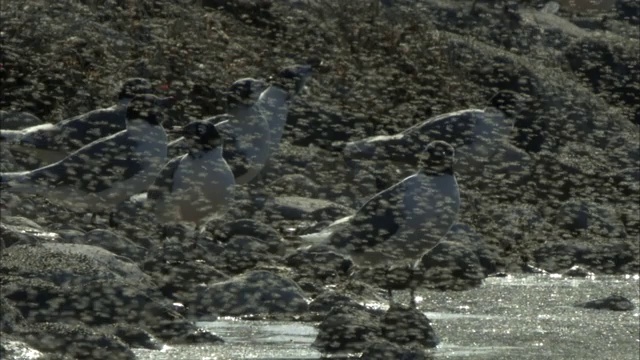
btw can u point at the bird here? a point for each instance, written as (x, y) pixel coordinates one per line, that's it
(475, 134)
(276, 99)
(193, 187)
(244, 130)
(109, 170)
(49, 143)
(404, 221)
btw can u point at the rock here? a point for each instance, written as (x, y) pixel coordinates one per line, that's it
(13, 120)
(14, 349)
(451, 266)
(63, 263)
(103, 301)
(578, 272)
(319, 263)
(557, 256)
(406, 326)
(257, 292)
(263, 232)
(119, 245)
(579, 216)
(294, 185)
(243, 252)
(21, 222)
(22, 234)
(609, 68)
(384, 350)
(71, 236)
(487, 254)
(76, 341)
(347, 329)
(613, 258)
(329, 299)
(628, 10)
(513, 226)
(613, 302)
(300, 208)
(178, 280)
(10, 317)
(133, 336)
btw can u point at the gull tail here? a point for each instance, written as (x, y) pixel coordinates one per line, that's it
(11, 136)
(16, 180)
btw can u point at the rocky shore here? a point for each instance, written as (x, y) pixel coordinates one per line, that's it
(567, 75)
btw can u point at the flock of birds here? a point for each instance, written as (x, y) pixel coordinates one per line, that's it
(107, 156)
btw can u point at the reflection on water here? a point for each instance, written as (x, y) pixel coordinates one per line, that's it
(523, 317)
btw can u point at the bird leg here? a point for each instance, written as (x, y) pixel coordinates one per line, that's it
(94, 217)
(196, 237)
(112, 220)
(412, 293)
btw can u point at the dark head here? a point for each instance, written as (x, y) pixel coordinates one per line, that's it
(201, 136)
(134, 86)
(293, 78)
(245, 92)
(149, 108)
(437, 158)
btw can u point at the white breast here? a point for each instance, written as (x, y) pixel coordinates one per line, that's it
(202, 188)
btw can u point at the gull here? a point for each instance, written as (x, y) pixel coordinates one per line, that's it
(49, 143)
(103, 173)
(404, 221)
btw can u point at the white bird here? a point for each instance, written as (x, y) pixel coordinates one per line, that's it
(107, 171)
(276, 99)
(49, 143)
(406, 220)
(193, 187)
(475, 134)
(244, 130)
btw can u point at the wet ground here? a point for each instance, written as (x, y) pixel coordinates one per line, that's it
(518, 317)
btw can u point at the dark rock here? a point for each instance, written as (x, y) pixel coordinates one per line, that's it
(609, 258)
(63, 263)
(294, 185)
(76, 341)
(263, 232)
(347, 329)
(406, 326)
(71, 236)
(300, 208)
(384, 350)
(10, 317)
(326, 301)
(99, 302)
(12, 348)
(451, 266)
(24, 234)
(178, 280)
(133, 336)
(487, 254)
(579, 272)
(115, 243)
(319, 263)
(243, 252)
(558, 256)
(11, 120)
(257, 292)
(628, 10)
(609, 69)
(578, 216)
(613, 302)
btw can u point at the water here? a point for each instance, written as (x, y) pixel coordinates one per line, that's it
(521, 317)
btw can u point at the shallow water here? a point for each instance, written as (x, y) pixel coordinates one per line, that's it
(521, 317)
